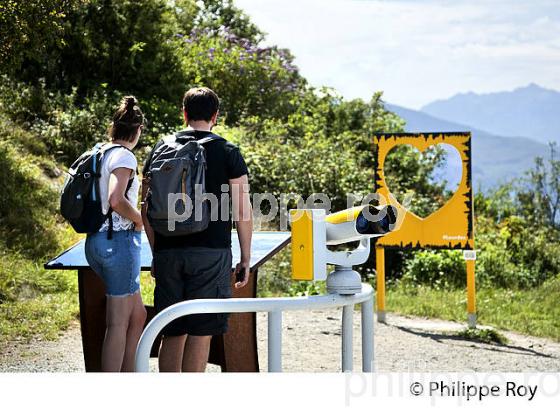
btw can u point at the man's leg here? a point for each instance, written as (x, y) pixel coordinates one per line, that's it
(196, 353)
(171, 353)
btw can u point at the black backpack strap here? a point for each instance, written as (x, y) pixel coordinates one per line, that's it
(109, 147)
(186, 135)
(110, 230)
(101, 152)
(211, 137)
(189, 135)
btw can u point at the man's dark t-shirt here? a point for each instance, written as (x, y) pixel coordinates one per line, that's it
(224, 162)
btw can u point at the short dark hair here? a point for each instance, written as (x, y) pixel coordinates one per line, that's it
(126, 120)
(201, 103)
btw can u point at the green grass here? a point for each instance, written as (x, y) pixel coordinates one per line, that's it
(532, 311)
(147, 285)
(34, 303)
(40, 318)
(483, 335)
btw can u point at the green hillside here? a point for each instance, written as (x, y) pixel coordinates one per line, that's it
(33, 301)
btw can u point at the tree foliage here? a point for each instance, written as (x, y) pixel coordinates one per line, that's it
(154, 49)
(29, 30)
(251, 80)
(324, 146)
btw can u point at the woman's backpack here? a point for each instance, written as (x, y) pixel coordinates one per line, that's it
(80, 200)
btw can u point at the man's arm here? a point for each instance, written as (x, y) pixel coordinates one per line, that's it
(243, 217)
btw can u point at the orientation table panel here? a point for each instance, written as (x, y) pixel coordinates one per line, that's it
(263, 247)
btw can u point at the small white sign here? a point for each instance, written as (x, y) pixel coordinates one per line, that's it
(469, 255)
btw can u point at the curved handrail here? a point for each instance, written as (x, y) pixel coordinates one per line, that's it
(237, 305)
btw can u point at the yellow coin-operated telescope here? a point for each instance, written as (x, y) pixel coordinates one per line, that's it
(313, 231)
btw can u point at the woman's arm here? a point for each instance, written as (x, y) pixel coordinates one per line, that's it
(118, 181)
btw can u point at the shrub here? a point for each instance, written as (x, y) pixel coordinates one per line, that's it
(250, 79)
(274, 276)
(440, 269)
(65, 123)
(515, 254)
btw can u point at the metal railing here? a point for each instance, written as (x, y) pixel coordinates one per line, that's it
(274, 307)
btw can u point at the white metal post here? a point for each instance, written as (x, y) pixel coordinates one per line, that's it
(347, 353)
(367, 335)
(275, 341)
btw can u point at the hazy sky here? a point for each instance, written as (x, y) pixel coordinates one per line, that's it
(416, 51)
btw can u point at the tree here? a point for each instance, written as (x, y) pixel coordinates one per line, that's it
(539, 198)
(214, 15)
(251, 80)
(30, 29)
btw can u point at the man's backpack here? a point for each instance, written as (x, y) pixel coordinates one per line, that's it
(176, 175)
(80, 199)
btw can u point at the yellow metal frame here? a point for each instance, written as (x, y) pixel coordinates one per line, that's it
(302, 244)
(450, 227)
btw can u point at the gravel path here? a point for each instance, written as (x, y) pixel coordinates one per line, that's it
(311, 342)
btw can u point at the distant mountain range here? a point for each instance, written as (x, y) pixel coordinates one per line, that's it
(496, 159)
(530, 111)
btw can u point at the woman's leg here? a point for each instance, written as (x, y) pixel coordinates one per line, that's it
(135, 327)
(118, 314)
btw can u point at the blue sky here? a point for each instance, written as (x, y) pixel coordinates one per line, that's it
(416, 51)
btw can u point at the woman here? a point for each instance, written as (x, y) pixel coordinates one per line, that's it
(114, 251)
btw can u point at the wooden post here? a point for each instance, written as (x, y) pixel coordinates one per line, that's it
(92, 317)
(239, 344)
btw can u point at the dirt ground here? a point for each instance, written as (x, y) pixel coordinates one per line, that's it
(311, 342)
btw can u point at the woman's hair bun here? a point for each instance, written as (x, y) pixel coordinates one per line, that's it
(126, 120)
(129, 102)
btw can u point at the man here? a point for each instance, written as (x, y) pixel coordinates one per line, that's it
(199, 265)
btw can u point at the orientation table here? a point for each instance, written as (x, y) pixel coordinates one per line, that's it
(235, 351)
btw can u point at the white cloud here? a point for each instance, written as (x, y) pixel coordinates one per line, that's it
(416, 51)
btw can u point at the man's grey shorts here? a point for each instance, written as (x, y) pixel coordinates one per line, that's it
(193, 273)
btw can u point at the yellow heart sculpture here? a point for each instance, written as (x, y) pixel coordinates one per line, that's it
(451, 226)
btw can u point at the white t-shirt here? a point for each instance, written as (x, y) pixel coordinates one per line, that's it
(118, 158)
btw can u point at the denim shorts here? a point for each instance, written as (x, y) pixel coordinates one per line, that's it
(116, 260)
